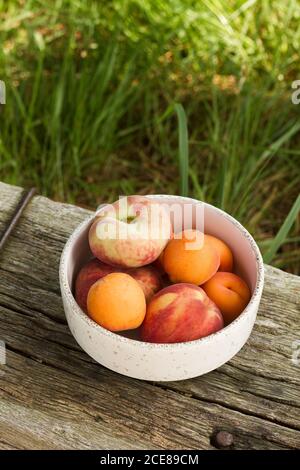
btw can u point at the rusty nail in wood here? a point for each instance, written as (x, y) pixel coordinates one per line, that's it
(25, 199)
(223, 439)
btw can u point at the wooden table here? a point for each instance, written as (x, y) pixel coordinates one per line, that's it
(53, 396)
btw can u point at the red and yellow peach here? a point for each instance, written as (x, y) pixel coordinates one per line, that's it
(179, 313)
(91, 272)
(149, 279)
(132, 232)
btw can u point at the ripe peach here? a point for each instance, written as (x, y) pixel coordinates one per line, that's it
(226, 257)
(117, 302)
(91, 272)
(229, 292)
(179, 313)
(158, 263)
(194, 266)
(148, 277)
(130, 233)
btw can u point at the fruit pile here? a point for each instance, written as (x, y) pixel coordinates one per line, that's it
(153, 282)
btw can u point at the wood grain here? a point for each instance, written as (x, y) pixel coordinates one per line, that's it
(52, 395)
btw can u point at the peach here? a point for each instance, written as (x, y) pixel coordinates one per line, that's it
(132, 232)
(117, 302)
(91, 272)
(195, 265)
(226, 257)
(158, 263)
(179, 313)
(148, 277)
(229, 292)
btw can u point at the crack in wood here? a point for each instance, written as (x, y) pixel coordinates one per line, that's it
(224, 405)
(54, 320)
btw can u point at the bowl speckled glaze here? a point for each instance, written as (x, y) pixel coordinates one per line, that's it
(127, 355)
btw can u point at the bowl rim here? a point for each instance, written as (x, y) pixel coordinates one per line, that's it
(256, 295)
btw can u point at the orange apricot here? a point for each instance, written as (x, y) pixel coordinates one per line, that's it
(190, 258)
(230, 294)
(117, 302)
(226, 257)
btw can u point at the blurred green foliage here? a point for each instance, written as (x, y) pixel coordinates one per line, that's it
(91, 87)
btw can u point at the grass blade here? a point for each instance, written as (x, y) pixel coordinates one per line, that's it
(283, 232)
(183, 149)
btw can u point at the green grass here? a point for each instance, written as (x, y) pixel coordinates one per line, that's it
(91, 107)
(183, 150)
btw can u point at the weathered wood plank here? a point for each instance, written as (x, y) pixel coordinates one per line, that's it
(49, 379)
(58, 409)
(262, 378)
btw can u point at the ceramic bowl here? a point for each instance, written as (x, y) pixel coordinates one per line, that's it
(125, 354)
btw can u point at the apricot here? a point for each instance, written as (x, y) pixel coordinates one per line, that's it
(117, 302)
(179, 313)
(226, 257)
(194, 266)
(229, 292)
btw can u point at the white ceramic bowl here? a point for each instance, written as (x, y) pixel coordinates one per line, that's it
(164, 362)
